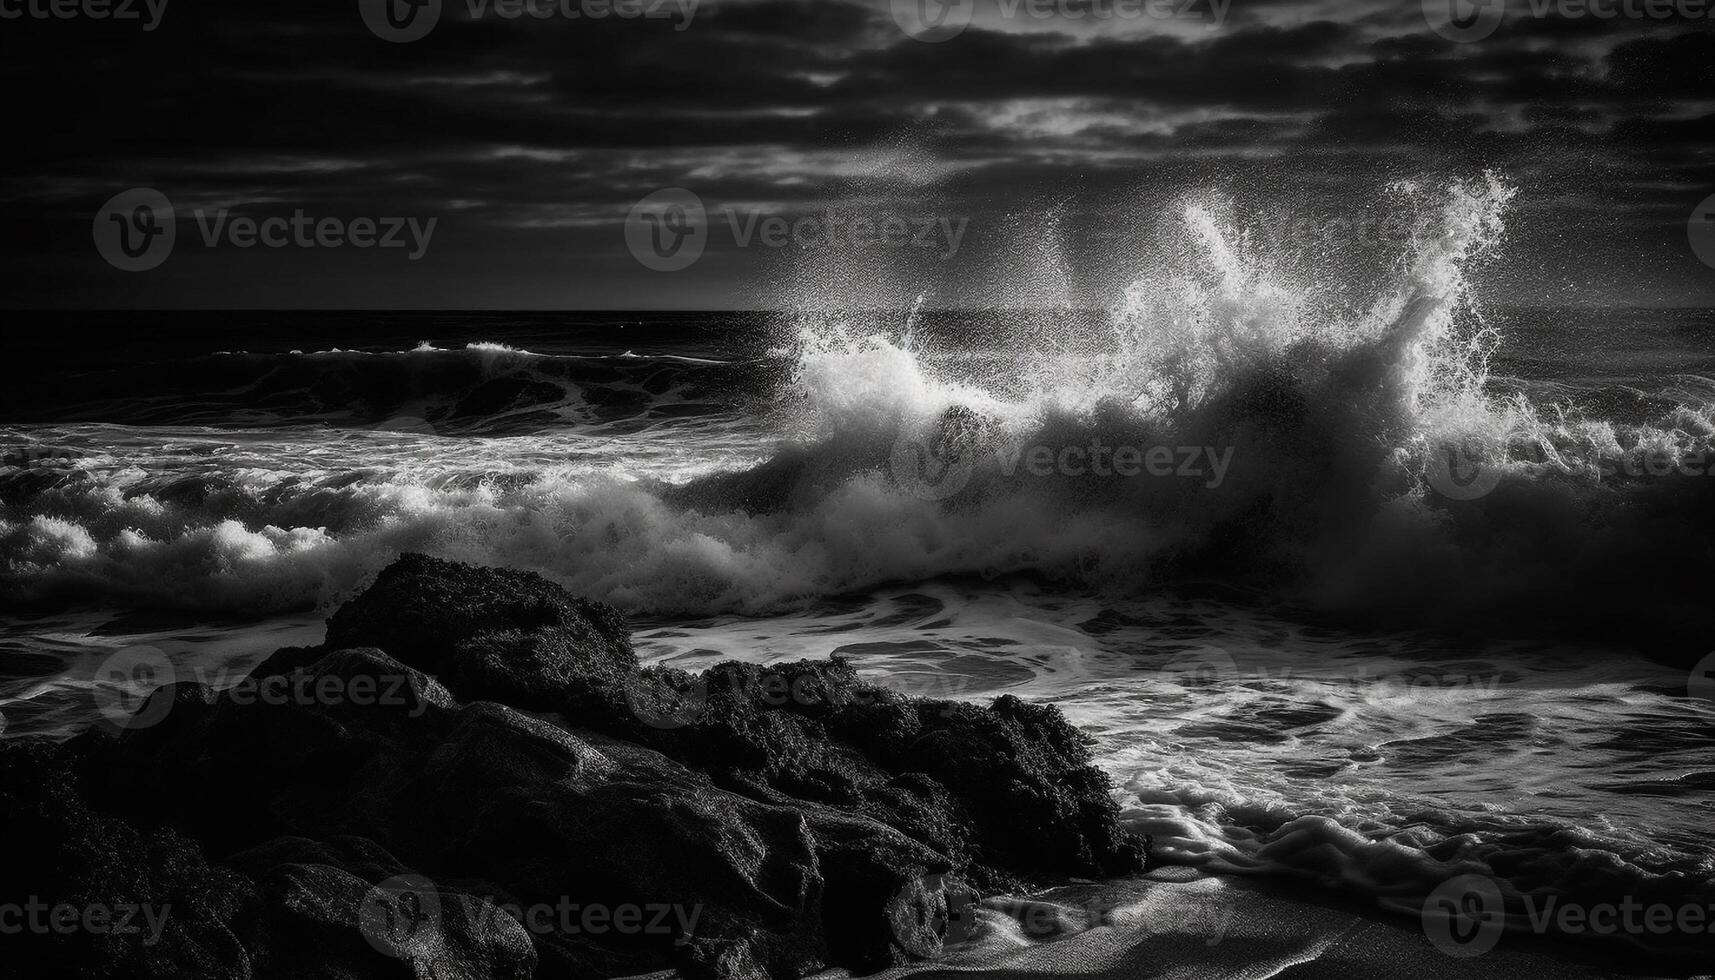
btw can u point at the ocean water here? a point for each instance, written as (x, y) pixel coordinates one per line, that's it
(1423, 591)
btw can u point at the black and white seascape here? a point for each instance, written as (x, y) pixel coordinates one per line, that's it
(1202, 489)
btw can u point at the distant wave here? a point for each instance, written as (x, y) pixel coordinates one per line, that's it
(482, 388)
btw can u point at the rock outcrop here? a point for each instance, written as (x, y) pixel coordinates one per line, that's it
(474, 777)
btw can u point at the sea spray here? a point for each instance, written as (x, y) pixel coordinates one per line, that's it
(661, 483)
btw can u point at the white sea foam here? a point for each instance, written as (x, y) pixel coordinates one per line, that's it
(1332, 416)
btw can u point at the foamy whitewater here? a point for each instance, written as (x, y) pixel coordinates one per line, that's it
(1415, 615)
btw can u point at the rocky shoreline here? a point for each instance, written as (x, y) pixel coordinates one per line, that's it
(473, 777)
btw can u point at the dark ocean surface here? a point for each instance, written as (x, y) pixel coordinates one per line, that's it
(1388, 593)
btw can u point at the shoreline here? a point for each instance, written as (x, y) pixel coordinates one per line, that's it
(1174, 924)
(904, 830)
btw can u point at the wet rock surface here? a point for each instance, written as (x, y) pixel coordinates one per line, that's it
(473, 777)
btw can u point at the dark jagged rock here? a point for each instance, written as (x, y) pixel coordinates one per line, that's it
(287, 909)
(551, 815)
(1010, 788)
(316, 895)
(258, 762)
(795, 816)
(423, 610)
(485, 791)
(526, 668)
(64, 854)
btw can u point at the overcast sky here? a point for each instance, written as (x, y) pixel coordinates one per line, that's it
(1020, 161)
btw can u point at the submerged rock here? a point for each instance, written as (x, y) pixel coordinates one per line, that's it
(490, 741)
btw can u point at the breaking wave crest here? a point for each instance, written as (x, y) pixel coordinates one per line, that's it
(1232, 416)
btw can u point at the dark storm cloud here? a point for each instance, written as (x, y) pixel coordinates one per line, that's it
(517, 131)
